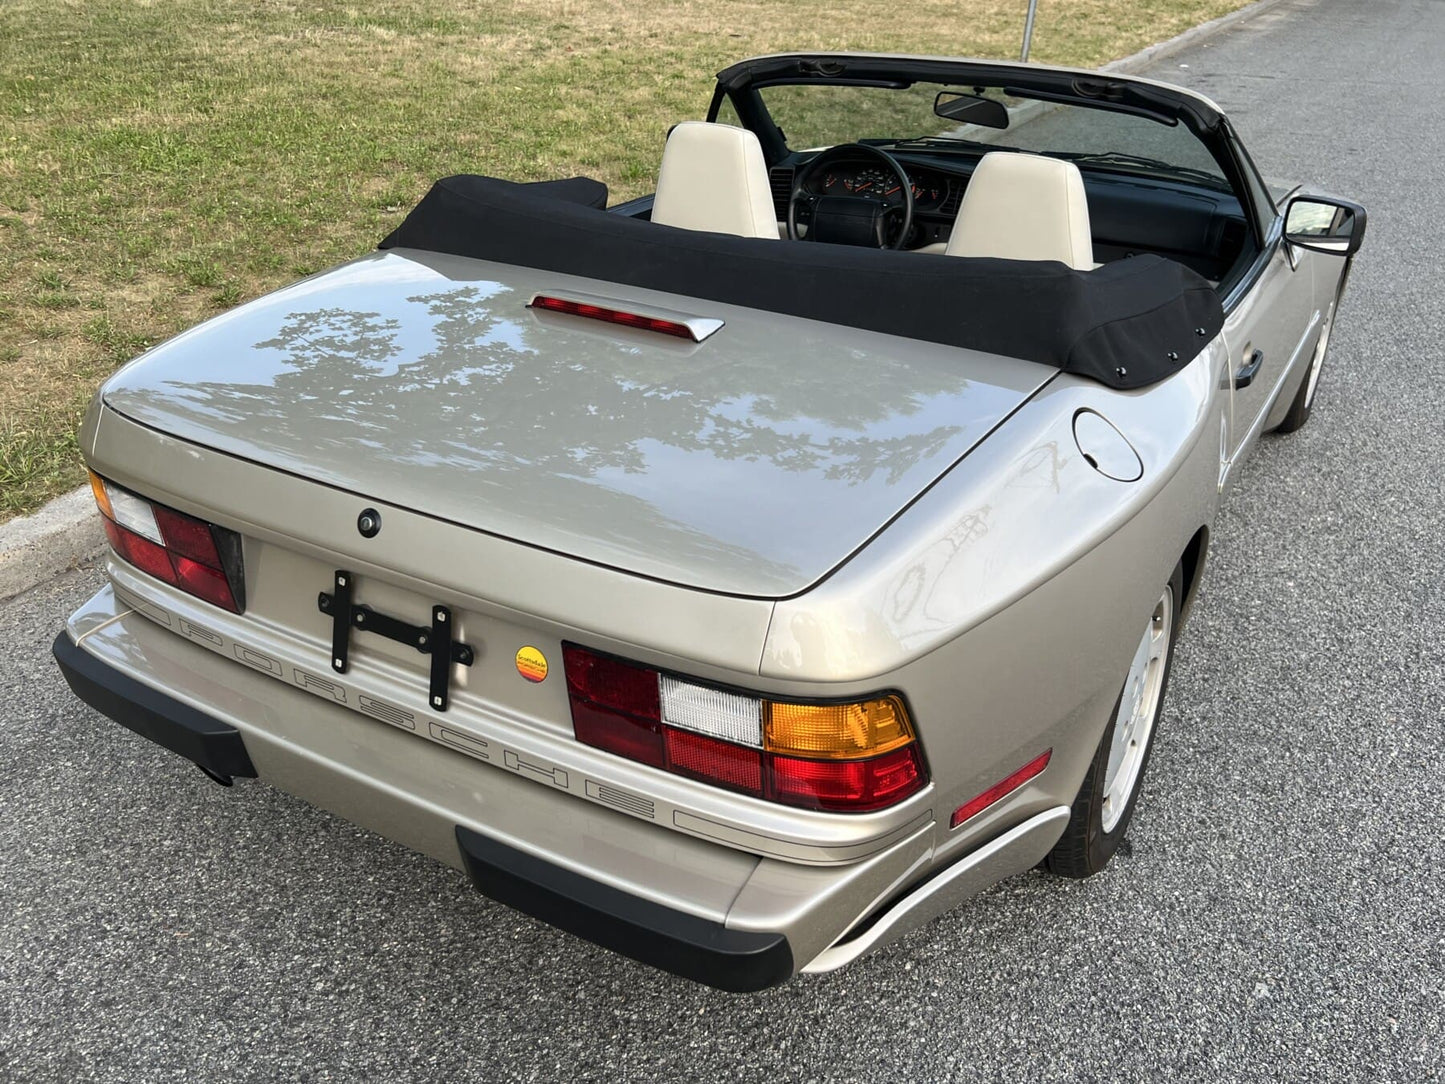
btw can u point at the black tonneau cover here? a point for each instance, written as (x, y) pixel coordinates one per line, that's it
(1127, 324)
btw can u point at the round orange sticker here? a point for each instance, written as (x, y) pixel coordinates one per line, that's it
(531, 663)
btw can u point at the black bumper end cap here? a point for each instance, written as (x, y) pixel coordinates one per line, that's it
(738, 961)
(208, 742)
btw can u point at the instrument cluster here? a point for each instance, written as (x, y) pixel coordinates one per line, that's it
(930, 189)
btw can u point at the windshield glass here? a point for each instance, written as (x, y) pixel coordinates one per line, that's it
(816, 115)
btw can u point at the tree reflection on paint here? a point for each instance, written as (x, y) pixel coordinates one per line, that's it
(648, 444)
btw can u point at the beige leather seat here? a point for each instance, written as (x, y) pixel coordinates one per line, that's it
(713, 177)
(1024, 207)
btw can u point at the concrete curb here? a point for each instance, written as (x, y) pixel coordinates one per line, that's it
(59, 537)
(67, 532)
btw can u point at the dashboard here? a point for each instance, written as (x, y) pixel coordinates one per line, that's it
(931, 189)
(1203, 229)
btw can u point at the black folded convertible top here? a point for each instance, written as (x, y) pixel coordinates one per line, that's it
(1127, 324)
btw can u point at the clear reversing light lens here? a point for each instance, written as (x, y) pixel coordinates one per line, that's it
(133, 514)
(711, 711)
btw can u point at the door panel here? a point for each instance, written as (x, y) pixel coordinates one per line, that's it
(1325, 270)
(1276, 318)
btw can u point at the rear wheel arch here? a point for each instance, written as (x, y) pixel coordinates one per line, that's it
(1104, 805)
(1193, 560)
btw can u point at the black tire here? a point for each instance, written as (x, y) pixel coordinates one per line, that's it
(1085, 847)
(1304, 400)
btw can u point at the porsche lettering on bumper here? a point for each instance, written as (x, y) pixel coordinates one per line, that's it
(330, 687)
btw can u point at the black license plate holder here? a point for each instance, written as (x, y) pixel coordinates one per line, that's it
(434, 640)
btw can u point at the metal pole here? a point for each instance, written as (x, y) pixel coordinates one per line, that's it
(1029, 29)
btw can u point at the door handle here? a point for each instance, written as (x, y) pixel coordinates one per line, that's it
(1245, 377)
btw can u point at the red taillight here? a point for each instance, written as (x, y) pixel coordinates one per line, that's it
(614, 316)
(203, 582)
(141, 552)
(714, 761)
(614, 705)
(187, 536)
(612, 683)
(635, 739)
(856, 785)
(190, 558)
(660, 721)
(1002, 789)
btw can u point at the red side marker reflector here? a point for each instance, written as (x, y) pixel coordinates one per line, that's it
(614, 316)
(1000, 790)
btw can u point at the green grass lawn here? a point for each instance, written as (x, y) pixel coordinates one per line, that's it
(162, 160)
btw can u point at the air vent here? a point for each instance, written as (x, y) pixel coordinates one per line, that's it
(781, 180)
(951, 202)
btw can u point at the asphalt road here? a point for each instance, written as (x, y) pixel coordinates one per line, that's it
(1278, 915)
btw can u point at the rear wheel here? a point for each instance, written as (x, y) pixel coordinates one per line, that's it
(1105, 803)
(1304, 400)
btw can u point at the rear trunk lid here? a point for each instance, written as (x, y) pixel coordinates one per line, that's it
(752, 463)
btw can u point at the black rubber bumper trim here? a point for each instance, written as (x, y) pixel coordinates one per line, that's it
(178, 727)
(685, 945)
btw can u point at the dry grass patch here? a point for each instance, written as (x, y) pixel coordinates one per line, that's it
(162, 161)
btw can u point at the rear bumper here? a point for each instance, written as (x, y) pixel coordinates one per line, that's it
(694, 948)
(182, 729)
(686, 945)
(713, 914)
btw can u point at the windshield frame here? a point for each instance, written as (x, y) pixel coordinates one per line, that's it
(1096, 87)
(737, 85)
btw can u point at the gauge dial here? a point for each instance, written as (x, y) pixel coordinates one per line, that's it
(929, 191)
(872, 182)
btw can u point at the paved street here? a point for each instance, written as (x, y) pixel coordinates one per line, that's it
(1278, 914)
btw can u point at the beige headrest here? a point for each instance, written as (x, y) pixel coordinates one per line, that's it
(1024, 207)
(713, 177)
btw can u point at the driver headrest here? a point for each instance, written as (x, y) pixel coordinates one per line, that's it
(713, 178)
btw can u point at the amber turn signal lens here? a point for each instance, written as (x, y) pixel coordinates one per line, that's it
(836, 731)
(102, 499)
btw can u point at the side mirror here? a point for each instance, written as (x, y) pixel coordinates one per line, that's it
(970, 109)
(1325, 224)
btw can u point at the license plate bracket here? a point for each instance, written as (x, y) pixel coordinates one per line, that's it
(434, 640)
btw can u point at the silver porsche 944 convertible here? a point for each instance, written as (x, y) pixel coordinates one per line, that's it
(742, 575)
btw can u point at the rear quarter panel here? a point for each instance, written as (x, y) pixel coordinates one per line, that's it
(1006, 603)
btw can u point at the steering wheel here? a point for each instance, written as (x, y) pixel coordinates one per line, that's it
(852, 152)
